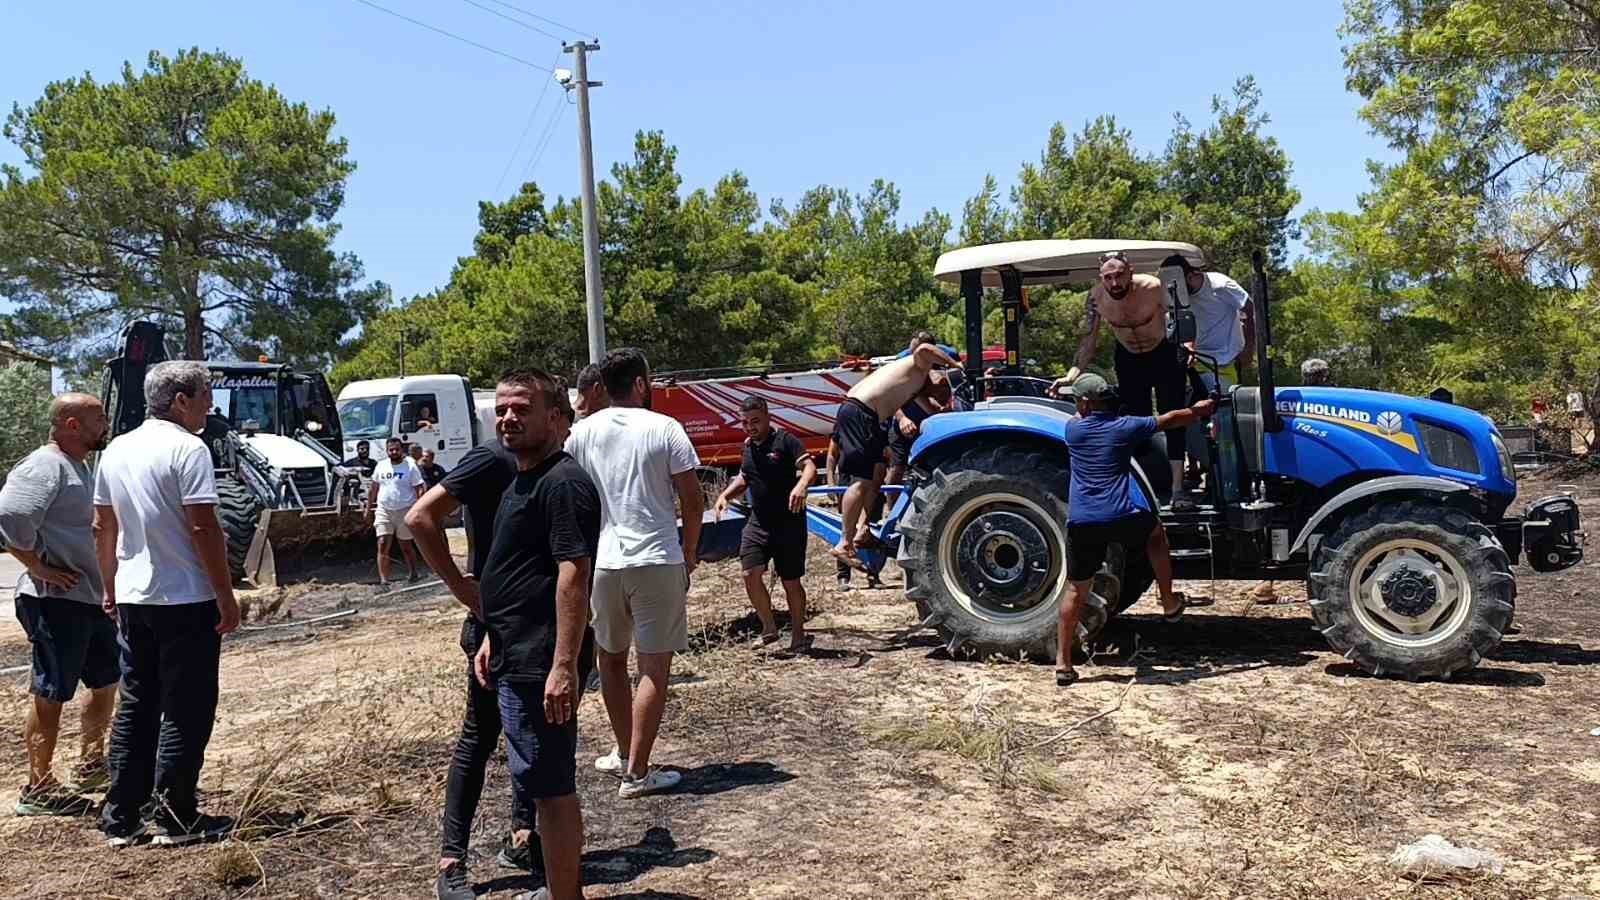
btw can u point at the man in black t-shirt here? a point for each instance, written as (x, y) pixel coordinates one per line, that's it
(477, 484)
(535, 599)
(362, 460)
(777, 471)
(432, 472)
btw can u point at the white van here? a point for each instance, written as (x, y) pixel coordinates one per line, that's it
(438, 412)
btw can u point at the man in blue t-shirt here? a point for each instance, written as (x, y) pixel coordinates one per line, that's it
(1106, 505)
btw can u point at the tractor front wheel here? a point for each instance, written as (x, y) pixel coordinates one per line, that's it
(1413, 589)
(984, 549)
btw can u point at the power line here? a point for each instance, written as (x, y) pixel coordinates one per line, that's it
(534, 15)
(532, 115)
(513, 20)
(501, 53)
(544, 142)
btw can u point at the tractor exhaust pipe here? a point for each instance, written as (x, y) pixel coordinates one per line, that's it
(1270, 420)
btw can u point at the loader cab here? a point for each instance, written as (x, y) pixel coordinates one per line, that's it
(265, 398)
(250, 398)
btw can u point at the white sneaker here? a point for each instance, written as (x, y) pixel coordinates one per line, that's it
(656, 781)
(613, 763)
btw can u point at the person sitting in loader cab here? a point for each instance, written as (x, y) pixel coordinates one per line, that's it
(1106, 506)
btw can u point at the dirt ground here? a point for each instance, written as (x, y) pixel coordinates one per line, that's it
(1230, 755)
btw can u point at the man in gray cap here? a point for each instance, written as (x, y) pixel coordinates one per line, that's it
(1106, 504)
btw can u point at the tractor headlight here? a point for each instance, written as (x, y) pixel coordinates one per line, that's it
(1506, 468)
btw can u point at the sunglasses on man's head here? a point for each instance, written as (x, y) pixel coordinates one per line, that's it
(1117, 255)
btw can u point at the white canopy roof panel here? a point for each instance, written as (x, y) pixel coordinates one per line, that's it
(1056, 262)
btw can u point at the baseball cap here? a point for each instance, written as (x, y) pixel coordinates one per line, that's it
(1090, 386)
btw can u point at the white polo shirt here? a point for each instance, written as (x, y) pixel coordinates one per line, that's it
(147, 477)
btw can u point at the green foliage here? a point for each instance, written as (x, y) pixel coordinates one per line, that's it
(697, 280)
(1480, 240)
(25, 397)
(1229, 186)
(187, 193)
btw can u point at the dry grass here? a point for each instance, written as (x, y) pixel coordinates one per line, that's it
(1229, 756)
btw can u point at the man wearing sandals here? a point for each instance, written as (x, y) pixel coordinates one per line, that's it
(778, 471)
(1106, 505)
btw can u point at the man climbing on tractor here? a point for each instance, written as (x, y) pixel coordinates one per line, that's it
(862, 437)
(1106, 506)
(1135, 307)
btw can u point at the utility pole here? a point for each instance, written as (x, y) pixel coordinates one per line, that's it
(591, 229)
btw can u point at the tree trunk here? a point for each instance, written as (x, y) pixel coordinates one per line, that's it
(194, 333)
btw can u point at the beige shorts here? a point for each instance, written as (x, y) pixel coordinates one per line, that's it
(391, 521)
(644, 606)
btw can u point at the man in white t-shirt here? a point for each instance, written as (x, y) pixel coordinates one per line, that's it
(164, 562)
(639, 460)
(1221, 308)
(398, 484)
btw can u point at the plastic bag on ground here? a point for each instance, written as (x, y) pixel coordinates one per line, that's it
(1433, 853)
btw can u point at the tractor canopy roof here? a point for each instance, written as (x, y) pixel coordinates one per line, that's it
(1057, 262)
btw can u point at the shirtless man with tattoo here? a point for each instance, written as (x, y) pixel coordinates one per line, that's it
(1135, 307)
(862, 439)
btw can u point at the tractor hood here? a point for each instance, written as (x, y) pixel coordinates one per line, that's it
(1331, 433)
(283, 452)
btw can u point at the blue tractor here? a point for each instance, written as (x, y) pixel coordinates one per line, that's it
(1393, 509)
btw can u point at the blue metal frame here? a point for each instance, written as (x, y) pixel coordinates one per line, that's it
(829, 525)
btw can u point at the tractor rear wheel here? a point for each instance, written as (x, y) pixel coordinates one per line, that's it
(1412, 589)
(239, 511)
(984, 551)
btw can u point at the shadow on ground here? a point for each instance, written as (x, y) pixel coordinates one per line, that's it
(1528, 651)
(658, 849)
(1479, 677)
(719, 778)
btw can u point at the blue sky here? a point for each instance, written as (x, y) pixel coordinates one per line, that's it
(930, 95)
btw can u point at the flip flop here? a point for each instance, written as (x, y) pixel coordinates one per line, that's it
(1066, 677)
(1183, 604)
(766, 640)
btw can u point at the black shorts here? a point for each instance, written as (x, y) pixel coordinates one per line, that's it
(1087, 544)
(542, 757)
(72, 642)
(1161, 371)
(861, 439)
(783, 546)
(899, 446)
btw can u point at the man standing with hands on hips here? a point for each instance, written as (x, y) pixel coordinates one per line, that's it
(164, 561)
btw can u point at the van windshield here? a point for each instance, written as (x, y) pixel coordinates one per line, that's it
(365, 418)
